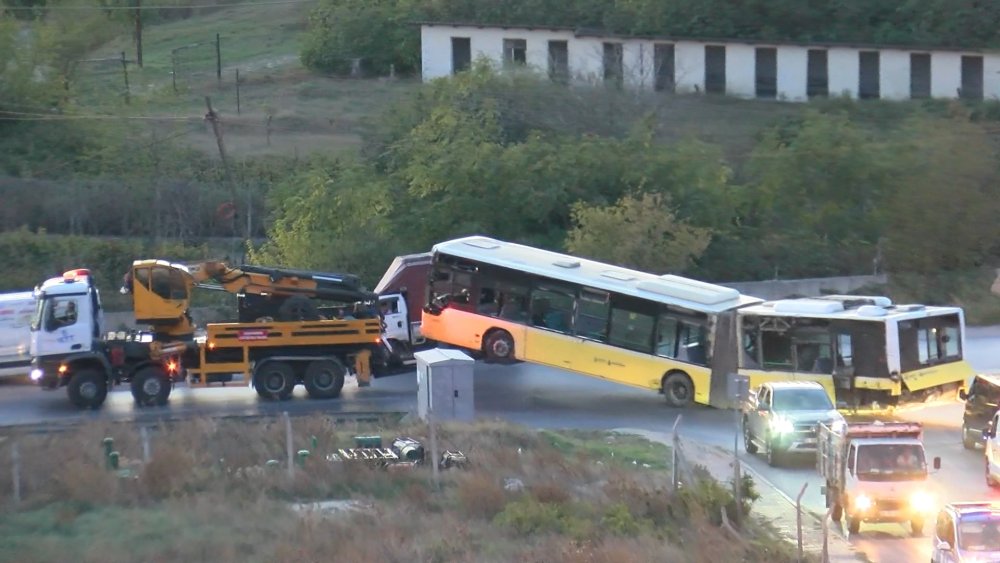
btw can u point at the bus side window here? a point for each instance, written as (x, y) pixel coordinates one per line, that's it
(487, 304)
(592, 314)
(552, 310)
(631, 330)
(512, 302)
(667, 334)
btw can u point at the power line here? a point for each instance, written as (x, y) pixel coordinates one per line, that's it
(155, 7)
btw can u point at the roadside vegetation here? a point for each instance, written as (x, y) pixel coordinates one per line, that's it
(332, 173)
(208, 494)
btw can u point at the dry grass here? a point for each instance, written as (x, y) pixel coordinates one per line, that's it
(206, 495)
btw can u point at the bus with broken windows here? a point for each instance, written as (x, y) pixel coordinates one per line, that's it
(517, 303)
(682, 337)
(867, 350)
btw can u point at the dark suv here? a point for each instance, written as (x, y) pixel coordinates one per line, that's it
(980, 403)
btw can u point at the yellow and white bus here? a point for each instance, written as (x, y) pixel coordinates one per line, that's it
(514, 302)
(682, 337)
(865, 350)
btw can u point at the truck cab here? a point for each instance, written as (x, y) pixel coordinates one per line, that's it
(877, 472)
(401, 292)
(66, 327)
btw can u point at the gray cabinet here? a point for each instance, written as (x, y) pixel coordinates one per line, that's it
(444, 385)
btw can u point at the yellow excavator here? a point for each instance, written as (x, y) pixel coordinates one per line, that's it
(284, 335)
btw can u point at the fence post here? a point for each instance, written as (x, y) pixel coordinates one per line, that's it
(675, 455)
(125, 74)
(825, 558)
(798, 516)
(434, 448)
(15, 458)
(144, 434)
(288, 443)
(237, 91)
(218, 58)
(173, 69)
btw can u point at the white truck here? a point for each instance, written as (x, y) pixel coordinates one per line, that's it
(401, 294)
(876, 472)
(16, 311)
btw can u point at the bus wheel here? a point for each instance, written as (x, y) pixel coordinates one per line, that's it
(678, 389)
(499, 347)
(324, 379)
(274, 380)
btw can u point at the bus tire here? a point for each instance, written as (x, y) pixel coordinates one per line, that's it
(150, 386)
(678, 389)
(498, 346)
(325, 378)
(274, 381)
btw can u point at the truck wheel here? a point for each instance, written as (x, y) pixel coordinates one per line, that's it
(968, 443)
(917, 526)
(678, 389)
(274, 381)
(150, 387)
(853, 524)
(325, 378)
(748, 444)
(87, 389)
(773, 456)
(498, 346)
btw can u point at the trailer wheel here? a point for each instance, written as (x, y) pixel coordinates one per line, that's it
(274, 381)
(499, 347)
(325, 378)
(678, 389)
(150, 386)
(87, 388)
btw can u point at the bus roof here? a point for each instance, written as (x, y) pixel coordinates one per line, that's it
(669, 289)
(840, 307)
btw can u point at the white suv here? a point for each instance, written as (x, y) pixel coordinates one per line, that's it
(967, 532)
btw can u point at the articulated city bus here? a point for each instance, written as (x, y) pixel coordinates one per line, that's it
(514, 302)
(866, 348)
(682, 337)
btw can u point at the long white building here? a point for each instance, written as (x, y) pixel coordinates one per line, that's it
(744, 68)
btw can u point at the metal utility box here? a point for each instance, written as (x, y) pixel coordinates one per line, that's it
(444, 385)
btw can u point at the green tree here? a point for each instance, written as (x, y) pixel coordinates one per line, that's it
(640, 231)
(942, 213)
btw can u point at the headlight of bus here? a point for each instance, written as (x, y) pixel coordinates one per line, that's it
(922, 502)
(862, 503)
(781, 425)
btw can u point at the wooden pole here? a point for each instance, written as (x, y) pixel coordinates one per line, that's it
(237, 91)
(125, 74)
(138, 32)
(218, 58)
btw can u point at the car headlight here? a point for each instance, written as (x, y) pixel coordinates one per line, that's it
(922, 502)
(780, 425)
(862, 503)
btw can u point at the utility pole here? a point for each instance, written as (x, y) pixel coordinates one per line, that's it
(138, 32)
(213, 119)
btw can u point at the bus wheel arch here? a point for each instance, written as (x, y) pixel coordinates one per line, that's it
(498, 346)
(678, 388)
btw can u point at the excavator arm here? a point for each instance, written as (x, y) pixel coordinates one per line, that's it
(162, 292)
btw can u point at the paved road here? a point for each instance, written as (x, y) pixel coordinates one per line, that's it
(550, 398)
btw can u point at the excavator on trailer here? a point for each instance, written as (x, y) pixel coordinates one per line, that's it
(284, 335)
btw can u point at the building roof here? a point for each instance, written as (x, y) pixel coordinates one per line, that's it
(668, 289)
(600, 33)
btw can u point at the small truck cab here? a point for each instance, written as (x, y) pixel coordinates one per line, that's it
(876, 472)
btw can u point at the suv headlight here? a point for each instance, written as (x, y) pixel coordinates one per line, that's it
(781, 425)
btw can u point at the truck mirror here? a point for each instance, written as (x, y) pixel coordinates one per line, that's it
(963, 395)
(937, 463)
